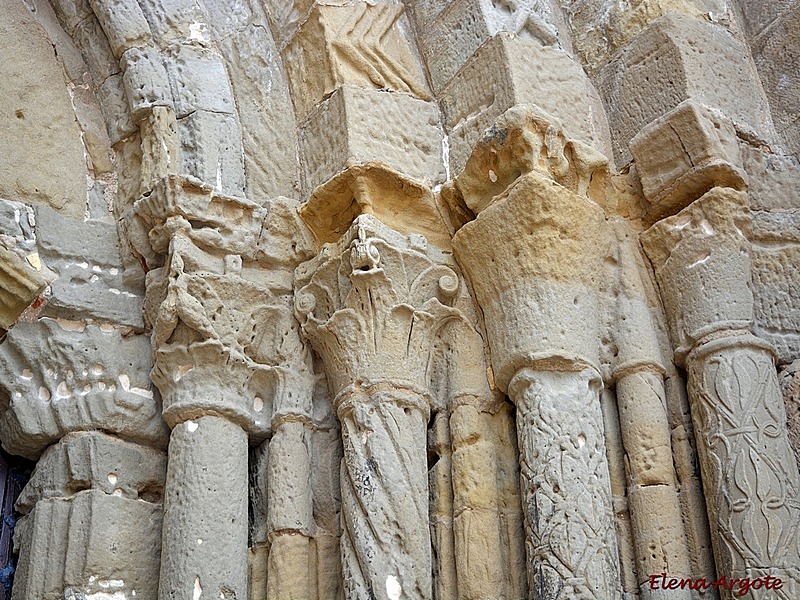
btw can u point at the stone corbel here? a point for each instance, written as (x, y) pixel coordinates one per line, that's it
(538, 292)
(752, 487)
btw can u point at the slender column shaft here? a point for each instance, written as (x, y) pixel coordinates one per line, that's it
(290, 514)
(476, 519)
(205, 512)
(572, 548)
(386, 548)
(751, 481)
(652, 495)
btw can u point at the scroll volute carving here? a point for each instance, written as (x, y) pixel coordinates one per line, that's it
(224, 337)
(373, 303)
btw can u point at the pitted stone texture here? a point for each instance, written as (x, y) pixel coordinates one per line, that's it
(773, 179)
(601, 27)
(199, 80)
(86, 257)
(523, 140)
(789, 379)
(357, 126)
(174, 22)
(675, 59)
(146, 82)
(758, 15)
(22, 275)
(97, 461)
(205, 512)
(361, 44)
(60, 380)
(123, 23)
(449, 38)
(776, 280)
(776, 53)
(538, 289)
(115, 108)
(703, 248)
(106, 545)
(380, 191)
(211, 150)
(507, 71)
(262, 97)
(41, 146)
(685, 153)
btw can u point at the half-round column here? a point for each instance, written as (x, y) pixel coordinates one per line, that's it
(532, 258)
(751, 480)
(372, 305)
(205, 517)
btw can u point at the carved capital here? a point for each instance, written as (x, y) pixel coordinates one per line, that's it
(534, 263)
(373, 303)
(224, 338)
(702, 264)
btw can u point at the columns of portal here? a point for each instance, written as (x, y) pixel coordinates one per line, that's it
(223, 361)
(702, 264)
(372, 305)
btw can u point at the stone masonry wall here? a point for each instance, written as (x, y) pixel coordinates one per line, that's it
(421, 299)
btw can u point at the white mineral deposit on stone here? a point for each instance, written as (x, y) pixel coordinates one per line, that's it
(199, 541)
(198, 591)
(393, 588)
(124, 381)
(62, 391)
(258, 404)
(191, 426)
(181, 371)
(112, 478)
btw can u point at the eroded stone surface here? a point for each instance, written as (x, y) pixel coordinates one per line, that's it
(41, 144)
(74, 377)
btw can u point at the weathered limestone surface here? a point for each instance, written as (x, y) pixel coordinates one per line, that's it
(205, 517)
(361, 45)
(775, 51)
(42, 151)
(107, 545)
(675, 59)
(702, 264)
(507, 71)
(373, 329)
(356, 125)
(545, 276)
(333, 364)
(59, 377)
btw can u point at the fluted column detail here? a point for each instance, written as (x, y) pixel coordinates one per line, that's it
(751, 481)
(372, 305)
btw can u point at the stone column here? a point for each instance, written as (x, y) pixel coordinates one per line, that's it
(638, 371)
(372, 305)
(532, 258)
(751, 481)
(221, 362)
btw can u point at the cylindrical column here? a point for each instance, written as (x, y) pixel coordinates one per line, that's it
(750, 477)
(538, 293)
(751, 480)
(386, 547)
(290, 518)
(652, 495)
(565, 485)
(205, 512)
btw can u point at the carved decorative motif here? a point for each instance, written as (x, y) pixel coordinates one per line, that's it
(754, 486)
(570, 529)
(372, 306)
